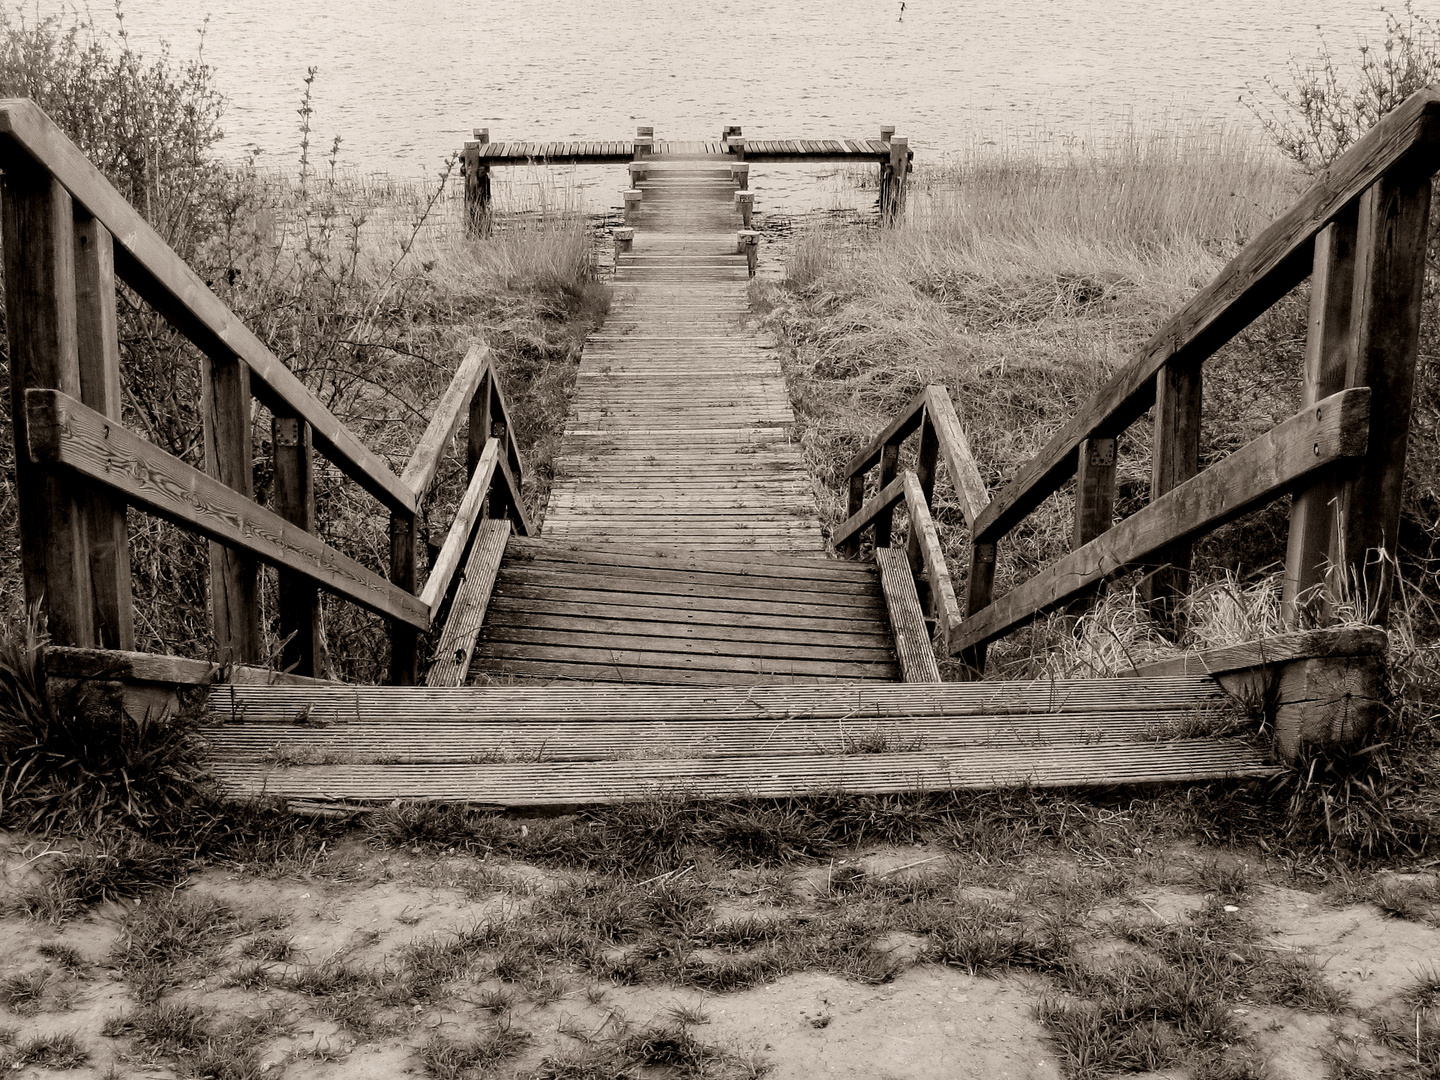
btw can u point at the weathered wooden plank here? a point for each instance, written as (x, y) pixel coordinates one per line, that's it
(907, 620)
(61, 431)
(634, 580)
(1265, 269)
(98, 345)
(419, 474)
(856, 523)
(149, 266)
(461, 741)
(1301, 645)
(592, 635)
(942, 592)
(1390, 260)
(630, 656)
(964, 474)
(457, 539)
(794, 573)
(1329, 348)
(467, 614)
(515, 608)
(40, 321)
(293, 498)
(540, 783)
(1333, 430)
(714, 629)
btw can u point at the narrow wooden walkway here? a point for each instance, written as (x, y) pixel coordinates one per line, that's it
(679, 432)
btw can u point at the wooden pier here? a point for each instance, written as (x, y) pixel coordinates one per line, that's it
(678, 624)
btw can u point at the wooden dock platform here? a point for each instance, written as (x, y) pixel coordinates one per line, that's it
(614, 152)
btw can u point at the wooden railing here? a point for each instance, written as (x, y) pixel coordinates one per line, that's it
(1361, 230)
(68, 236)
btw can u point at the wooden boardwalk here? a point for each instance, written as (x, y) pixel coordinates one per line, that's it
(679, 432)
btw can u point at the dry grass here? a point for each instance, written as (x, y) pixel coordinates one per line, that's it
(1022, 279)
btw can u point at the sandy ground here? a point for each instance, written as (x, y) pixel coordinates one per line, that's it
(366, 906)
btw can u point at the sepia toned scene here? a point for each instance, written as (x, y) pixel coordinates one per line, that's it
(855, 539)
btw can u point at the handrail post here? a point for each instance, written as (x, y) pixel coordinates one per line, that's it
(854, 501)
(477, 190)
(979, 591)
(887, 132)
(404, 573)
(234, 577)
(99, 353)
(1176, 459)
(925, 461)
(39, 244)
(899, 171)
(294, 500)
(1313, 548)
(1389, 282)
(889, 469)
(1094, 500)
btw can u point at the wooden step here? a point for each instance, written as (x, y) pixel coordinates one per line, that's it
(535, 746)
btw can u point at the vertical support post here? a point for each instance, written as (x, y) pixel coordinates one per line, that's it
(404, 638)
(38, 230)
(737, 145)
(478, 426)
(1329, 348)
(887, 175)
(644, 142)
(747, 243)
(99, 356)
(925, 459)
(1176, 459)
(638, 170)
(732, 131)
(293, 495)
(740, 173)
(1390, 245)
(978, 594)
(889, 469)
(632, 197)
(854, 501)
(477, 191)
(745, 201)
(234, 576)
(624, 241)
(899, 170)
(1094, 500)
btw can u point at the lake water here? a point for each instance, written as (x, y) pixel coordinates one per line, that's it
(404, 81)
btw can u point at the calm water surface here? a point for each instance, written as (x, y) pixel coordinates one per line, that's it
(405, 81)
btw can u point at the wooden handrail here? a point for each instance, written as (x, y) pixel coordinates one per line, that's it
(61, 431)
(1265, 270)
(1335, 430)
(68, 235)
(30, 140)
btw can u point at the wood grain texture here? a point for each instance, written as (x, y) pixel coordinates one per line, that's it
(64, 432)
(1391, 240)
(457, 539)
(98, 342)
(955, 450)
(41, 325)
(1265, 269)
(293, 498)
(1301, 645)
(942, 592)
(419, 474)
(149, 266)
(1329, 347)
(467, 614)
(1335, 429)
(907, 620)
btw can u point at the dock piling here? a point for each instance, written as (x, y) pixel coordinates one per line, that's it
(740, 173)
(477, 189)
(747, 242)
(745, 201)
(624, 240)
(632, 198)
